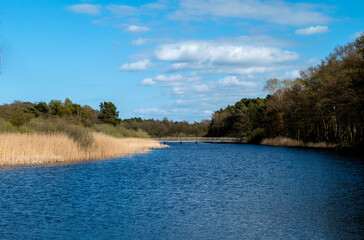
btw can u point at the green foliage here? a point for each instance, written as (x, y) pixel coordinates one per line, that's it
(78, 133)
(256, 136)
(3, 127)
(6, 126)
(238, 120)
(166, 128)
(325, 104)
(56, 115)
(20, 118)
(108, 113)
(56, 108)
(119, 131)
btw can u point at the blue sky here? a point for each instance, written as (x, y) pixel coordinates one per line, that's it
(181, 59)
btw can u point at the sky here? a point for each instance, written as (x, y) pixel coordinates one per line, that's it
(180, 59)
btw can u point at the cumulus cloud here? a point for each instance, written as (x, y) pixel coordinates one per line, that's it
(222, 54)
(166, 80)
(232, 81)
(196, 97)
(136, 66)
(356, 35)
(139, 41)
(148, 82)
(122, 10)
(191, 70)
(155, 5)
(85, 8)
(135, 28)
(150, 111)
(279, 12)
(312, 30)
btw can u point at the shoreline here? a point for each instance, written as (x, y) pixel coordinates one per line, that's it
(18, 149)
(288, 142)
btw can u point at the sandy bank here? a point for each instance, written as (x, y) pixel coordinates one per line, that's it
(35, 148)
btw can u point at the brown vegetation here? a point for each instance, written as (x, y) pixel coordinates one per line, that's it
(38, 148)
(324, 104)
(288, 142)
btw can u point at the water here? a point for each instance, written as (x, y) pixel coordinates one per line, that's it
(188, 191)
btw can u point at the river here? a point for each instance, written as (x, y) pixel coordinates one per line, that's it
(188, 191)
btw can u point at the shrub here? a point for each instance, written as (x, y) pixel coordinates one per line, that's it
(78, 133)
(20, 118)
(256, 136)
(6, 126)
(2, 125)
(119, 131)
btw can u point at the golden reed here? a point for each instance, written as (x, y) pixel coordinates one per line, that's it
(288, 142)
(37, 148)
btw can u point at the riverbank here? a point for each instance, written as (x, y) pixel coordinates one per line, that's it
(288, 142)
(37, 148)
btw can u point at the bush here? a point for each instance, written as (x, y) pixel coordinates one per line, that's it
(256, 136)
(119, 131)
(7, 126)
(79, 134)
(3, 127)
(20, 118)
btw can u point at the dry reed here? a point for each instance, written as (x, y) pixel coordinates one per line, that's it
(36, 148)
(288, 142)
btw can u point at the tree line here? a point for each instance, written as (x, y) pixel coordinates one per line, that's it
(26, 116)
(326, 103)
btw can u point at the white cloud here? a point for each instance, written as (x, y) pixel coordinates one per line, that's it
(188, 88)
(232, 81)
(356, 35)
(122, 10)
(170, 78)
(312, 30)
(193, 96)
(221, 54)
(148, 82)
(135, 28)
(150, 111)
(240, 65)
(139, 41)
(86, 8)
(279, 12)
(167, 80)
(292, 74)
(200, 88)
(136, 66)
(155, 5)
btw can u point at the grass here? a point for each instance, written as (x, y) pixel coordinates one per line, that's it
(288, 142)
(45, 148)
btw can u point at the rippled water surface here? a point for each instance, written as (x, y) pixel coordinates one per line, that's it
(188, 191)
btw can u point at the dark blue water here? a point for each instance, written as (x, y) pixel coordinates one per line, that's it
(188, 191)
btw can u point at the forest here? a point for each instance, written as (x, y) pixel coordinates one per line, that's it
(324, 104)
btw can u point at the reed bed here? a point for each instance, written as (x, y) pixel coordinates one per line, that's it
(288, 142)
(38, 148)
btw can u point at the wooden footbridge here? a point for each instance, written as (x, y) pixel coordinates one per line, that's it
(200, 139)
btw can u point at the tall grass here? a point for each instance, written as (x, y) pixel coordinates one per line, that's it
(41, 148)
(81, 135)
(288, 142)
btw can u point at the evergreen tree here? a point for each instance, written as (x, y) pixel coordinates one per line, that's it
(108, 113)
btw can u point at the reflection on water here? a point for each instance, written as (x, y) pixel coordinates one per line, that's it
(188, 191)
